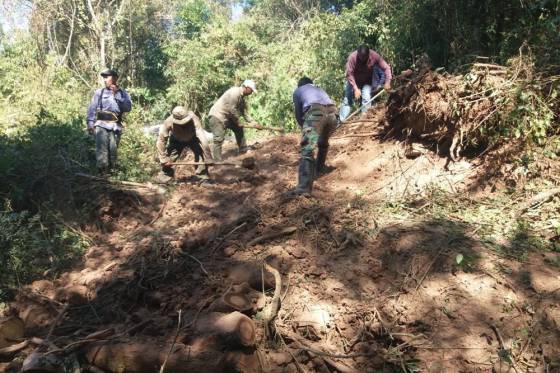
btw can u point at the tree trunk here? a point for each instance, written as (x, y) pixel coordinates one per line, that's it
(148, 358)
(234, 329)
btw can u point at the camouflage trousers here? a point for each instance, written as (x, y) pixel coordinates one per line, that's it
(319, 123)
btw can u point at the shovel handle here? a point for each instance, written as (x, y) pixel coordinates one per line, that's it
(204, 164)
(259, 127)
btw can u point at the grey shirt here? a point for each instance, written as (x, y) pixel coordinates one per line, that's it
(231, 106)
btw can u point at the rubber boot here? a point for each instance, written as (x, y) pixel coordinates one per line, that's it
(306, 173)
(321, 159)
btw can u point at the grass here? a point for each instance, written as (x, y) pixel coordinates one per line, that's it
(490, 220)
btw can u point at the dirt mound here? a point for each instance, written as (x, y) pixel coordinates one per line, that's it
(449, 110)
(182, 281)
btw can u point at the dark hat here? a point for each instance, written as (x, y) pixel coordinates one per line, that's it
(109, 72)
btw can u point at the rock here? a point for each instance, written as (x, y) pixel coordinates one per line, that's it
(316, 318)
(552, 316)
(280, 358)
(544, 279)
(296, 251)
(37, 362)
(13, 367)
(75, 295)
(43, 287)
(229, 251)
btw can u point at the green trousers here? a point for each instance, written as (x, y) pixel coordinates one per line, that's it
(218, 128)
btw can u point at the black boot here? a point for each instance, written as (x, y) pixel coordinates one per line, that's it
(321, 159)
(306, 173)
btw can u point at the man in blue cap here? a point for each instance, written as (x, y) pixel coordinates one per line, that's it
(104, 119)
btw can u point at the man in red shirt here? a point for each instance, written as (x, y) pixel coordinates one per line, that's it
(361, 79)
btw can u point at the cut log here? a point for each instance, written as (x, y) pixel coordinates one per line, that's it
(234, 329)
(240, 298)
(147, 358)
(239, 362)
(251, 274)
(11, 329)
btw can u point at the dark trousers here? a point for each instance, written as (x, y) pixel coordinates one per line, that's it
(176, 147)
(106, 144)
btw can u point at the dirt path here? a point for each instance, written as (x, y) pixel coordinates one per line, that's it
(367, 286)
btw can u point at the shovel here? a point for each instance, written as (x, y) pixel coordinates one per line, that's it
(260, 127)
(248, 163)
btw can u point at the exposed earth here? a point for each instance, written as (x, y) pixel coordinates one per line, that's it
(373, 279)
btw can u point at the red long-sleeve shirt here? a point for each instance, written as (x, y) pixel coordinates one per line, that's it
(359, 75)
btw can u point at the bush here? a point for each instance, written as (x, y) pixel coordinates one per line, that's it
(34, 246)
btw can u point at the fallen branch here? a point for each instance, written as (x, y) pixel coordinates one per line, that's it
(119, 182)
(326, 356)
(270, 236)
(539, 198)
(93, 337)
(271, 310)
(504, 349)
(13, 348)
(172, 344)
(222, 240)
(298, 366)
(56, 322)
(198, 261)
(429, 268)
(364, 134)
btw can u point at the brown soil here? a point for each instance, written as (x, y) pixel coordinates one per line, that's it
(359, 294)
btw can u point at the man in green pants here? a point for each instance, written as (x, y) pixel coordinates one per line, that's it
(316, 115)
(226, 112)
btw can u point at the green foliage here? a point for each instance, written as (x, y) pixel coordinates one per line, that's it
(43, 144)
(191, 17)
(34, 245)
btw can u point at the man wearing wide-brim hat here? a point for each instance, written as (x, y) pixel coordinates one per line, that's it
(226, 113)
(180, 130)
(104, 119)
